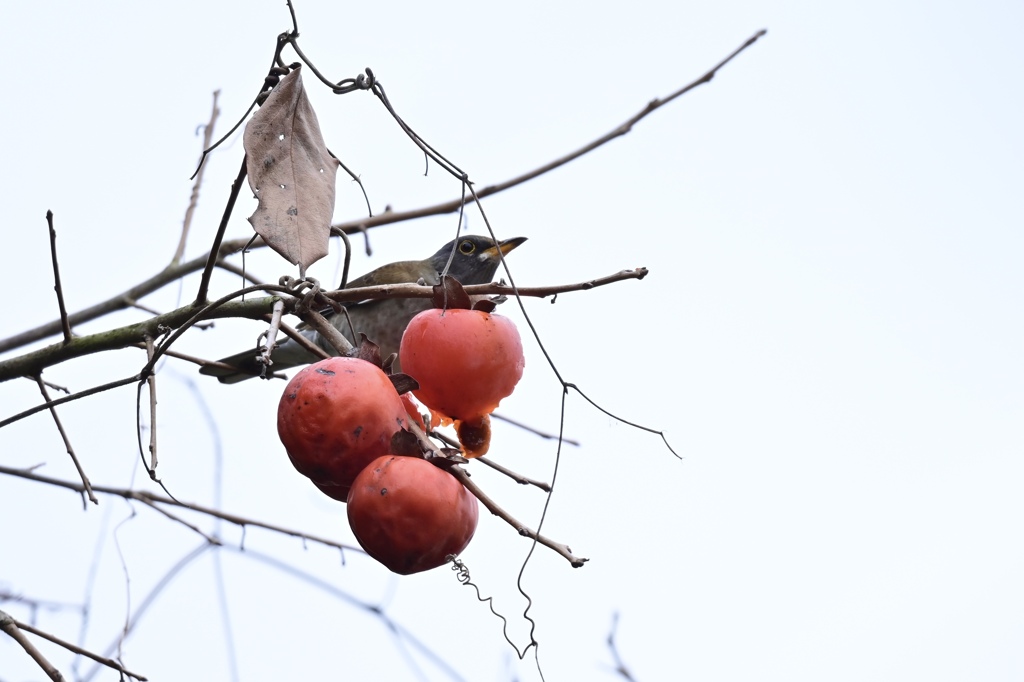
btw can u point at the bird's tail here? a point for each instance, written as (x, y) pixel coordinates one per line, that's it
(244, 365)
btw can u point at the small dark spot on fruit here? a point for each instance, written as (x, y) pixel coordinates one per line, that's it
(324, 370)
(383, 491)
(359, 430)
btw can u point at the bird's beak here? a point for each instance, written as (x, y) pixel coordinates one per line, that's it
(504, 246)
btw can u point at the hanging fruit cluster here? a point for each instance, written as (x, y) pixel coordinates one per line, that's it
(337, 420)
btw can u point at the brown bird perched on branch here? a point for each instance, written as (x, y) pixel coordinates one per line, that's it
(474, 260)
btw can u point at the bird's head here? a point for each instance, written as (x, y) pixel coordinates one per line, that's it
(474, 258)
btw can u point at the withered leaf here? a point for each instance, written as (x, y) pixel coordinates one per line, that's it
(403, 383)
(405, 444)
(291, 173)
(450, 294)
(485, 305)
(366, 350)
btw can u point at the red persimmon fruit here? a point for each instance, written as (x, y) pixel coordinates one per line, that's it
(409, 514)
(335, 417)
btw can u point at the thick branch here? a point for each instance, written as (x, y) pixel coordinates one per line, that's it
(31, 364)
(131, 335)
(123, 300)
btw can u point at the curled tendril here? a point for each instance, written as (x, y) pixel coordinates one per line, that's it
(364, 81)
(462, 575)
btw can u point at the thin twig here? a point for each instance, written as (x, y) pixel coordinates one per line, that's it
(133, 617)
(11, 627)
(151, 381)
(518, 478)
(86, 486)
(56, 387)
(215, 309)
(490, 504)
(194, 199)
(498, 511)
(622, 129)
(196, 529)
(65, 325)
(326, 330)
(125, 299)
(624, 421)
(150, 499)
(620, 667)
(353, 226)
(271, 338)
(66, 399)
(204, 283)
(109, 662)
(143, 308)
(493, 289)
(534, 431)
(184, 356)
(301, 339)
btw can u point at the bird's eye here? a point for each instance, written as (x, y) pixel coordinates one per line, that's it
(467, 247)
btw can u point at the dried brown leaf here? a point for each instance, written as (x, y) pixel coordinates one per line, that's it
(450, 294)
(291, 173)
(405, 444)
(366, 350)
(485, 305)
(403, 383)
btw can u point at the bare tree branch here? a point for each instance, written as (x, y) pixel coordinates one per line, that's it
(109, 662)
(86, 487)
(131, 335)
(123, 300)
(453, 205)
(194, 199)
(151, 382)
(11, 627)
(123, 337)
(214, 255)
(492, 506)
(66, 399)
(518, 478)
(65, 327)
(151, 499)
(534, 431)
(226, 248)
(620, 666)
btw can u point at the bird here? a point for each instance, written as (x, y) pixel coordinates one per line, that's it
(474, 260)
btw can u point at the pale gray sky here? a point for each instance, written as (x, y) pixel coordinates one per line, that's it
(830, 335)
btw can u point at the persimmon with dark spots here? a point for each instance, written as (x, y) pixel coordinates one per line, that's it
(409, 514)
(465, 361)
(335, 417)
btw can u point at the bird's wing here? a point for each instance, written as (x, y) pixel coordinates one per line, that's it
(402, 272)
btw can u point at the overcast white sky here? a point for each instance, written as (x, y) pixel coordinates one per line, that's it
(830, 336)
